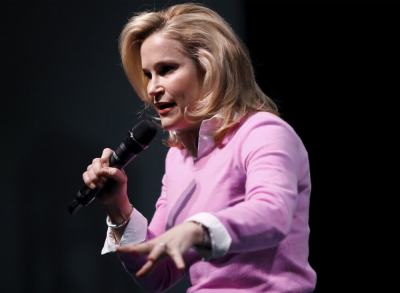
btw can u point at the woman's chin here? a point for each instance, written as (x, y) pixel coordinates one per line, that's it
(171, 124)
(168, 123)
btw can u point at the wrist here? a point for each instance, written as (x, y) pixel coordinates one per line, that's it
(202, 237)
(119, 214)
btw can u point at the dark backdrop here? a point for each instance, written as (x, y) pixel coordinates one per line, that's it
(333, 69)
(65, 98)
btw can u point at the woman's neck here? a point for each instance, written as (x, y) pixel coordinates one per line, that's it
(190, 138)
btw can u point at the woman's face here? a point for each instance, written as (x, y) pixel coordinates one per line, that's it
(173, 80)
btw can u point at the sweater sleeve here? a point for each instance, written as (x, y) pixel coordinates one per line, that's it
(270, 156)
(165, 274)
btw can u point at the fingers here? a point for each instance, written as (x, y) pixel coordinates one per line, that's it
(93, 175)
(88, 181)
(178, 259)
(99, 172)
(105, 156)
(158, 250)
(115, 174)
(155, 252)
(145, 268)
(142, 248)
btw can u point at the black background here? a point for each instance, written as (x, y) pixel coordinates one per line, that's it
(330, 67)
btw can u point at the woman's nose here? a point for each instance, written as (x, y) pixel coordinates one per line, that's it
(155, 90)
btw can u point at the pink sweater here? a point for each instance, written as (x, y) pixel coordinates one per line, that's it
(253, 194)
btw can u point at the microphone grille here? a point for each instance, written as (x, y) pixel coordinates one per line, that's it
(144, 132)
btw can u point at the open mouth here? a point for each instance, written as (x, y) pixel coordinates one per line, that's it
(162, 106)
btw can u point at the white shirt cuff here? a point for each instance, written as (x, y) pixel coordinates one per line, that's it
(135, 232)
(219, 236)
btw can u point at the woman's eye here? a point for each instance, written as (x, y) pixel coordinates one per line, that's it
(147, 74)
(166, 69)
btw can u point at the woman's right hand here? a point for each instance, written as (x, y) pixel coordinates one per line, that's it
(113, 196)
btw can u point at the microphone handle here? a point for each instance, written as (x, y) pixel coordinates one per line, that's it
(120, 158)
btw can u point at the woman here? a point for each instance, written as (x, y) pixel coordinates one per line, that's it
(233, 210)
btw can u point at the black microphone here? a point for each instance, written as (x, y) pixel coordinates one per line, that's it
(138, 139)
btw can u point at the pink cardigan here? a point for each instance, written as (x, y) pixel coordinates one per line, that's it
(253, 194)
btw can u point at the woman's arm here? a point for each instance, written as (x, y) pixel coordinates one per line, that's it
(140, 257)
(274, 161)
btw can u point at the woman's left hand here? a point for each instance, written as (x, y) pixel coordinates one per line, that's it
(174, 243)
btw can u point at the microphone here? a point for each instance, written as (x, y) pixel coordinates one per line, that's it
(138, 139)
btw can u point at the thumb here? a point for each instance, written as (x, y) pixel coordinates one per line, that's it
(115, 174)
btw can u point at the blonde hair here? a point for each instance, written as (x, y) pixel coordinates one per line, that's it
(229, 86)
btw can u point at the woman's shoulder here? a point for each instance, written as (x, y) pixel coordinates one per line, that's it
(266, 120)
(264, 128)
(267, 131)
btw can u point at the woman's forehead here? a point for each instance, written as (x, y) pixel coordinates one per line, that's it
(158, 47)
